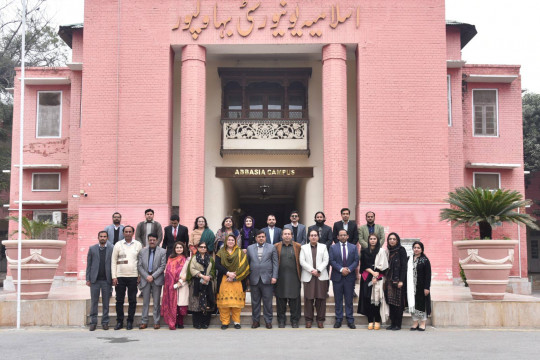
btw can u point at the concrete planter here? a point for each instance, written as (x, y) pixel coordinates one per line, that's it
(487, 265)
(39, 261)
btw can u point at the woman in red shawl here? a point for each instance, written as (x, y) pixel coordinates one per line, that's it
(175, 291)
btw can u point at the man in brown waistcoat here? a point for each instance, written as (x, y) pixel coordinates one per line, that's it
(288, 284)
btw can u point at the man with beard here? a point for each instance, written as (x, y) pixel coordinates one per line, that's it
(149, 226)
(325, 231)
(287, 289)
(115, 231)
(370, 228)
(347, 225)
(98, 278)
(273, 233)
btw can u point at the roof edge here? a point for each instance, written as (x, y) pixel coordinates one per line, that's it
(66, 32)
(467, 31)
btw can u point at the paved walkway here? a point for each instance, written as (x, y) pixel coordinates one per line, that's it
(297, 344)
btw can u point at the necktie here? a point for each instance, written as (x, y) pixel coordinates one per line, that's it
(151, 261)
(174, 234)
(344, 256)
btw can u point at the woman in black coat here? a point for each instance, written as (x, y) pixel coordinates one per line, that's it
(418, 284)
(369, 275)
(395, 279)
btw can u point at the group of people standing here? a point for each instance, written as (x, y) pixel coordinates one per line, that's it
(201, 271)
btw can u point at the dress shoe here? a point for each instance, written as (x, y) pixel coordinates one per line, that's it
(157, 326)
(268, 325)
(92, 327)
(118, 326)
(414, 328)
(320, 324)
(255, 325)
(308, 324)
(105, 326)
(377, 326)
(370, 326)
(281, 325)
(236, 326)
(337, 325)
(204, 326)
(351, 325)
(224, 327)
(197, 326)
(420, 329)
(391, 327)
(129, 326)
(396, 328)
(142, 326)
(294, 325)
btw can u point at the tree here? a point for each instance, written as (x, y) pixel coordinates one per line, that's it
(43, 45)
(43, 48)
(531, 131)
(486, 208)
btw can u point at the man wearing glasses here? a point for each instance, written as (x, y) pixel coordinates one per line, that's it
(298, 230)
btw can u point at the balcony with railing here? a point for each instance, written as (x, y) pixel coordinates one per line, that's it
(248, 132)
(264, 111)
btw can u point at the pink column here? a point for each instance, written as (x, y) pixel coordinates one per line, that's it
(193, 114)
(334, 96)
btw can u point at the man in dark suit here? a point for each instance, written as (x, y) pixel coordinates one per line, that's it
(264, 267)
(325, 231)
(344, 261)
(273, 233)
(151, 265)
(173, 233)
(298, 230)
(346, 224)
(98, 278)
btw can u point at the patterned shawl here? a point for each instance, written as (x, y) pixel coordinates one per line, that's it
(235, 262)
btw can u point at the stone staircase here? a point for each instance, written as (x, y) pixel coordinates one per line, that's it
(245, 316)
(535, 281)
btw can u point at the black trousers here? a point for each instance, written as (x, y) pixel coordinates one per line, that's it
(294, 305)
(396, 315)
(129, 283)
(373, 313)
(201, 319)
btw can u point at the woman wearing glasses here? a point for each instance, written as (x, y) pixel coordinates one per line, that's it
(201, 276)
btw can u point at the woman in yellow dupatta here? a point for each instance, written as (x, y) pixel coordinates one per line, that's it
(233, 269)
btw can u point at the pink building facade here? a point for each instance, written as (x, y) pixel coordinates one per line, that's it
(233, 107)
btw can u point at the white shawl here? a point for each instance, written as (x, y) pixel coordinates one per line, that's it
(377, 293)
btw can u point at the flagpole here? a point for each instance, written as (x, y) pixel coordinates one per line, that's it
(21, 145)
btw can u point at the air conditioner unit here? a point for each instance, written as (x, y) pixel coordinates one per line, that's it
(57, 217)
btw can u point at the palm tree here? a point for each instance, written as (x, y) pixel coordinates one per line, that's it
(486, 208)
(32, 229)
